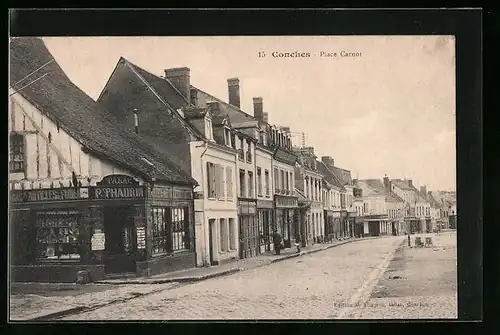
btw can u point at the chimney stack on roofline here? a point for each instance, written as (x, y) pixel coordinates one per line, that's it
(180, 77)
(258, 109)
(233, 87)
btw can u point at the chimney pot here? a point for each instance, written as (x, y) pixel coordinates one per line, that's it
(233, 86)
(180, 77)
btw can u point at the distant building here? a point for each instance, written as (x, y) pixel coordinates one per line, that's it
(346, 196)
(376, 218)
(309, 180)
(332, 206)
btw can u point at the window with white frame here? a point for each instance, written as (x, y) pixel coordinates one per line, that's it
(259, 181)
(215, 181)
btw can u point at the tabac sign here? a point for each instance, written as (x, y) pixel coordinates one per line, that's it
(118, 186)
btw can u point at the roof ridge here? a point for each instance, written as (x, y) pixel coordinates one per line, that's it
(187, 125)
(225, 103)
(71, 114)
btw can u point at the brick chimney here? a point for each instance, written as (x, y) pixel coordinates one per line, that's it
(410, 182)
(258, 108)
(423, 190)
(328, 161)
(387, 183)
(180, 77)
(265, 117)
(233, 87)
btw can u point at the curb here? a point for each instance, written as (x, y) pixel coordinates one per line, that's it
(59, 314)
(302, 253)
(83, 309)
(171, 280)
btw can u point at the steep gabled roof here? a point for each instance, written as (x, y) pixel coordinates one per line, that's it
(236, 115)
(393, 197)
(329, 176)
(57, 97)
(343, 175)
(167, 92)
(376, 185)
(402, 184)
(433, 200)
(163, 87)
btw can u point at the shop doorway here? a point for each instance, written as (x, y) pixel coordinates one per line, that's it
(120, 240)
(374, 228)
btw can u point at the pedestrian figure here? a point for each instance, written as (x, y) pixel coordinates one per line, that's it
(297, 242)
(277, 243)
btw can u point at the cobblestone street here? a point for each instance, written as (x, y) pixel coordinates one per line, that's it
(326, 284)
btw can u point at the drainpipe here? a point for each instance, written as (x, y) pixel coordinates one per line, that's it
(203, 251)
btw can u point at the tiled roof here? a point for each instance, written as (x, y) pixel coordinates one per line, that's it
(163, 87)
(376, 185)
(394, 197)
(433, 200)
(329, 176)
(166, 90)
(81, 117)
(236, 115)
(402, 184)
(343, 175)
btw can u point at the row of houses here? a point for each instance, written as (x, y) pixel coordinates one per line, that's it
(158, 175)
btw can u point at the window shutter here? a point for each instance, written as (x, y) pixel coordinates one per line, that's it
(229, 184)
(223, 181)
(217, 181)
(209, 181)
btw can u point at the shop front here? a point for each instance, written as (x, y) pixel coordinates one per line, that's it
(329, 226)
(248, 228)
(351, 219)
(359, 227)
(428, 225)
(265, 219)
(284, 208)
(104, 230)
(413, 224)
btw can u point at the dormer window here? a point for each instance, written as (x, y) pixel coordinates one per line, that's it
(227, 136)
(208, 128)
(262, 139)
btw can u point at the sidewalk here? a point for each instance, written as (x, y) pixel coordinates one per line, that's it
(198, 274)
(419, 283)
(49, 301)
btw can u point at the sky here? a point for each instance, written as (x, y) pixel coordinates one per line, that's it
(388, 111)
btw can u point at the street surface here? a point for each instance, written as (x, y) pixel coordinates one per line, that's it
(330, 284)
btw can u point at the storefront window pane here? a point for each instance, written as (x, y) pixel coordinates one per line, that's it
(179, 225)
(58, 235)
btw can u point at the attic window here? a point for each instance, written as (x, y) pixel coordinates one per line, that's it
(227, 136)
(208, 129)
